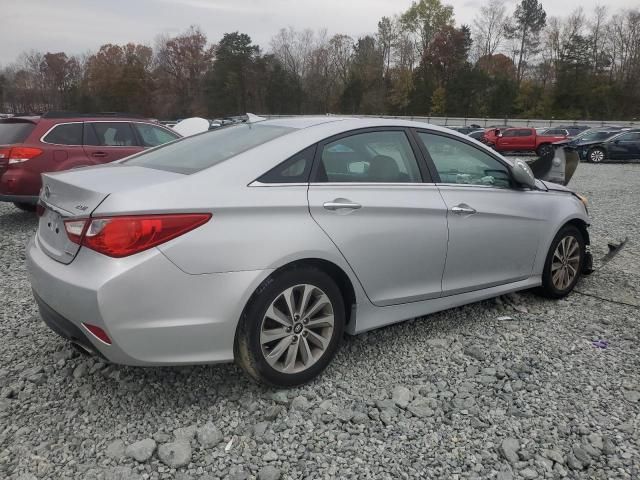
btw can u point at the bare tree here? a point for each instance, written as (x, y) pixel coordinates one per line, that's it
(489, 27)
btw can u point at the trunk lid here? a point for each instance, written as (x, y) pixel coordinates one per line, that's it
(77, 193)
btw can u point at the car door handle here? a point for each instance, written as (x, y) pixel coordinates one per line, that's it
(339, 203)
(99, 154)
(463, 208)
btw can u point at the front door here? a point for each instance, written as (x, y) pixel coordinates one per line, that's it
(106, 142)
(494, 229)
(625, 147)
(370, 196)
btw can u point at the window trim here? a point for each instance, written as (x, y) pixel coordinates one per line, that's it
(432, 165)
(425, 174)
(53, 127)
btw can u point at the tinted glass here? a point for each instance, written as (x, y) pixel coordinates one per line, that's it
(509, 133)
(14, 132)
(525, 132)
(65, 134)
(153, 136)
(458, 162)
(196, 153)
(629, 137)
(294, 170)
(112, 134)
(370, 158)
(596, 136)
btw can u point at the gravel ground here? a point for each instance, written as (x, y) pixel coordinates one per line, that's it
(507, 388)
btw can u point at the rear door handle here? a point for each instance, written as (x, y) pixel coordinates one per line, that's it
(341, 203)
(99, 154)
(462, 209)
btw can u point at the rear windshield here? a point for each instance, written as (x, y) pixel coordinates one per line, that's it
(14, 132)
(196, 153)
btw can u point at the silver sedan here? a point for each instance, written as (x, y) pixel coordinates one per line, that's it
(263, 242)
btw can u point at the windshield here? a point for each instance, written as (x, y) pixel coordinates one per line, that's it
(12, 131)
(192, 154)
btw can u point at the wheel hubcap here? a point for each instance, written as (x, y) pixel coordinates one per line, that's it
(597, 156)
(296, 329)
(565, 263)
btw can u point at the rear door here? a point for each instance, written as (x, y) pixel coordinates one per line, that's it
(525, 139)
(107, 141)
(370, 195)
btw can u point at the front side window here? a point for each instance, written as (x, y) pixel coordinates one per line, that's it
(65, 134)
(153, 136)
(110, 134)
(371, 157)
(458, 162)
(629, 137)
(509, 133)
(525, 132)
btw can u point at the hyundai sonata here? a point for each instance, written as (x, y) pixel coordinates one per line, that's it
(263, 242)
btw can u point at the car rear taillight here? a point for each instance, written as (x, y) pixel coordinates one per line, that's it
(19, 154)
(123, 236)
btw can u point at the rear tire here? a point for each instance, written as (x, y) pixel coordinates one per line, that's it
(291, 327)
(25, 207)
(564, 263)
(596, 155)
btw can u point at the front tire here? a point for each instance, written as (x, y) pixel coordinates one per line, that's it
(291, 327)
(596, 155)
(564, 263)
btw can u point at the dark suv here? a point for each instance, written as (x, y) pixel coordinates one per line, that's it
(52, 142)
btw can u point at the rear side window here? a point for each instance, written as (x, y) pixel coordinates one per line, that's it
(110, 134)
(294, 170)
(65, 134)
(153, 136)
(372, 157)
(14, 132)
(192, 154)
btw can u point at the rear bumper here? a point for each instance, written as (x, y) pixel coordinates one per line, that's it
(64, 327)
(153, 312)
(28, 199)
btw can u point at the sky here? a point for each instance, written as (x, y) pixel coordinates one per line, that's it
(79, 26)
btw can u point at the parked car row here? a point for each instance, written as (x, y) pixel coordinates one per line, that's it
(31, 146)
(593, 144)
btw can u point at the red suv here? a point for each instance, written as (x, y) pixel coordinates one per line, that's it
(52, 142)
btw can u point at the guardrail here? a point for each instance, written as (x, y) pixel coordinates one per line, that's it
(488, 122)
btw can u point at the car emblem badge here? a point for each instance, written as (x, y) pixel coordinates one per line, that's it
(47, 192)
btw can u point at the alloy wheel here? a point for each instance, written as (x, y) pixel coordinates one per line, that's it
(596, 156)
(565, 263)
(297, 328)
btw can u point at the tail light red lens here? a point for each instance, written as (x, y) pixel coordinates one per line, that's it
(124, 236)
(20, 154)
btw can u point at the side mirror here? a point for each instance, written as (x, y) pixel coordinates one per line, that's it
(523, 174)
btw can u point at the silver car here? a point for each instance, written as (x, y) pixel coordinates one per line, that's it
(263, 242)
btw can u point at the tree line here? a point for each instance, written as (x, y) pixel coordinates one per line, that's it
(419, 62)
